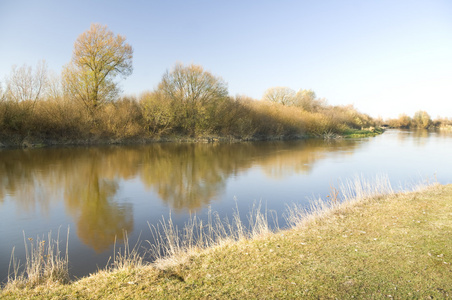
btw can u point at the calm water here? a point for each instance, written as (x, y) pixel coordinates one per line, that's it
(101, 191)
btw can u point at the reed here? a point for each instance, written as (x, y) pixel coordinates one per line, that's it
(126, 257)
(358, 241)
(349, 192)
(171, 245)
(45, 263)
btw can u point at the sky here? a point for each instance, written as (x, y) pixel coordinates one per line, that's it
(385, 57)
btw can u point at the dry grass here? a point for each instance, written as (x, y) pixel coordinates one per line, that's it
(349, 192)
(171, 246)
(363, 241)
(126, 258)
(44, 263)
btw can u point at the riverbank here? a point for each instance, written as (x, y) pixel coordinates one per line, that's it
(393, 246)
(446, 127)
(18, 141)
(158, 116)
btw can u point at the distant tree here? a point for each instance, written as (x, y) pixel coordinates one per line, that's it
(26, 85)
(54, 86)
(307, 100)
(98, 57)
(282, 95)
(191, 85)
(2, 93)
(422, 119)
(195, 93)
(2, 107)
(404, 121)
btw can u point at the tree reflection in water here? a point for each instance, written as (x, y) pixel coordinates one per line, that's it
(186, 177)
(91, 201)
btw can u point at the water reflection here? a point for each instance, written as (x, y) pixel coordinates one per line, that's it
(185, 177)
(90, 199)
(103, 191)
(299, 158)
(420, 137)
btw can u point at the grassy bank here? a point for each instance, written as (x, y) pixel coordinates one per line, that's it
(363, 133)
(393, 246)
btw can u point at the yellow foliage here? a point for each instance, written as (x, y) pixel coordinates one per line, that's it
(98, 57)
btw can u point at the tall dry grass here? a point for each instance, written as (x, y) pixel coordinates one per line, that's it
(126, 257)
(45, 263)
(172, 245)
(346, 194)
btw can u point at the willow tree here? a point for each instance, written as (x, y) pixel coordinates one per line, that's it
(98, 57)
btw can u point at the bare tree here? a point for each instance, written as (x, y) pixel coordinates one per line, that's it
(192, 85)
(196, 92)
(2, 93)
(24, 85)
(98, 57)
(2, 106)
(54, 86)
(282, 95)
(308, 100)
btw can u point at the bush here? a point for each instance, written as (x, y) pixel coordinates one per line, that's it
(158, 113)
(189, 101)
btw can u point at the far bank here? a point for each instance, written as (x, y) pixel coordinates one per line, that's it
(19, 141)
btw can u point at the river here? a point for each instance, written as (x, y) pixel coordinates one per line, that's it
(101, 192)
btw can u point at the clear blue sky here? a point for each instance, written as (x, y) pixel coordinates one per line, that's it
(385, 57)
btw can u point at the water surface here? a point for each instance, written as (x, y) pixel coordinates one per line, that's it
(102, 192)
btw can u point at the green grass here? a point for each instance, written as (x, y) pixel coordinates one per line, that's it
(394, 246)
(355, 133)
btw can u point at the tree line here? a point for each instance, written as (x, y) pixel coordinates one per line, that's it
(420, 119)
(83, 104)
